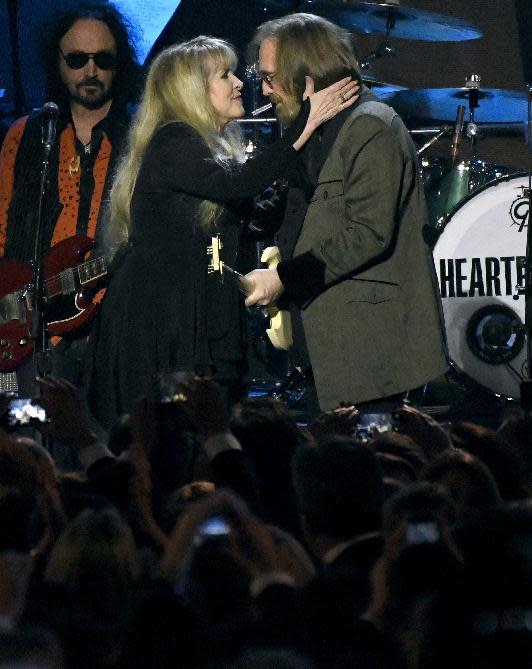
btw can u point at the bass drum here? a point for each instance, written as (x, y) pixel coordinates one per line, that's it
(480, 262)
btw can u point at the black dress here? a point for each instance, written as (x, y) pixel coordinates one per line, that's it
(163, 310)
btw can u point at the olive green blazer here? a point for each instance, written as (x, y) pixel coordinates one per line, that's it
(376, 327)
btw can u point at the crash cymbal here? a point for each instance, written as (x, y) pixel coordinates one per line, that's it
(495, 105)
(379, 18)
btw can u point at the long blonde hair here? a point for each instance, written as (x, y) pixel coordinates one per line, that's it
(177, 90)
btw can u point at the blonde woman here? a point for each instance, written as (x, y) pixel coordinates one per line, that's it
(168, 308)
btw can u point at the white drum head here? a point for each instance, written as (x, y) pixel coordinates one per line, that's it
(480, 259)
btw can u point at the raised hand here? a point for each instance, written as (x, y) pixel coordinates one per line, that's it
(68, 420)
(326, 104)
(423, 429)
(341, 420)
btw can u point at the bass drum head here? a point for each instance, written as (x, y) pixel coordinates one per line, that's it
(480, 261)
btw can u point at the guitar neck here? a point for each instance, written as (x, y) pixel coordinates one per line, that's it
(68, 279)
(92, 270)
(244, 285)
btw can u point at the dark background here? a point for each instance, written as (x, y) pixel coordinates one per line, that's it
(502, 56)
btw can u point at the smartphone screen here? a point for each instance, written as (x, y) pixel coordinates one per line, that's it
(213, 531)
(22, 412)
(215, 527)
(369, 423)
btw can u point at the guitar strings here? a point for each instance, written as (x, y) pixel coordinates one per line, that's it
(48, 283)
(75, 270)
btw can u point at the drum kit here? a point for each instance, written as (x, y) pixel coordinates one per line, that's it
(478, 211)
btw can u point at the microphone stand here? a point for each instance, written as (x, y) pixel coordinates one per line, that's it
(259, 244)
(526, 385)
(39, 328)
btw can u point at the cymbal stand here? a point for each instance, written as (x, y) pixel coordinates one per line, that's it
(252, 74)
(473, 86)
(384, 48)
(526, 384)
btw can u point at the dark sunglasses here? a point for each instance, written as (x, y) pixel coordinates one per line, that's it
(78, 59)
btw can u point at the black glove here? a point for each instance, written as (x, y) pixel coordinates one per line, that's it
(268, 209)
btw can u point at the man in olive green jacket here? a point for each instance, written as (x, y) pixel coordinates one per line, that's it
(355, 264)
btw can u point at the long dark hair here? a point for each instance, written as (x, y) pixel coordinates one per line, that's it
(127, 83)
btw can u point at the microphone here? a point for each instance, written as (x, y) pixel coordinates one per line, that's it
(459, 125)
(50, 113)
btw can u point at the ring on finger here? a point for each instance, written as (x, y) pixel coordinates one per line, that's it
(342, 98)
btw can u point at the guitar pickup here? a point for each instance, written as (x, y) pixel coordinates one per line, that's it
(67, 281)
(12, 308)
(215, 264)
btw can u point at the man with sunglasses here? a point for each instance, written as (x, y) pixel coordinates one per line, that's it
(92, 74)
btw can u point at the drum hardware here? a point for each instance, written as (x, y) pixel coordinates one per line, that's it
(518, 291)
(484, 130)
(428, 131)
(257, 120)
(385, 49)
(252, 74)
(390, 19)
(459, 126)
(264, 108)
(472, 85)
(443, 131)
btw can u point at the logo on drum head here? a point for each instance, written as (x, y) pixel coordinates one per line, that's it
(519, 210)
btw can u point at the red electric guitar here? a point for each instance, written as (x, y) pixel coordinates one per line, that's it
(71, 290)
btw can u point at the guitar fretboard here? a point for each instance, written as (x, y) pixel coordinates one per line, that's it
(67, 280)
(92, 269)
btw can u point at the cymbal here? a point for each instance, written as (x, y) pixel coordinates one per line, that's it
(494, 104)
(375, 18)
(381, 88)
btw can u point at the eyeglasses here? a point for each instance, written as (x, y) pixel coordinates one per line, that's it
(78, 59)
(267, 78)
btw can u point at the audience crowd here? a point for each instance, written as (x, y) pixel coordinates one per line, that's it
(199, 540)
